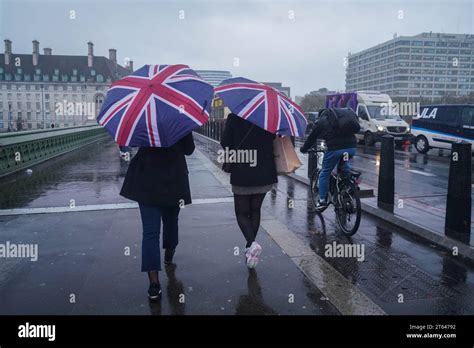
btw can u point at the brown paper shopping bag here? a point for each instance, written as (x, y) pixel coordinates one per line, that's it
(286, 159)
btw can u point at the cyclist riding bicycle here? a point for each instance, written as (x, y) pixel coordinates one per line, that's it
(337, 126)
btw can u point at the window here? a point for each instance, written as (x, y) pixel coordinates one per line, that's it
(38, 105)
(92, 72)
(55, 87)
(28, 105)
(100, 78)
(362, 112)
(74, 72)
(38, 71)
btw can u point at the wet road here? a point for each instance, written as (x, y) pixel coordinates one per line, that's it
(421, 181)
(83, 251)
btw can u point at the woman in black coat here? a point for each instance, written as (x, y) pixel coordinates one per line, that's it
(157, 179)
(252, 175)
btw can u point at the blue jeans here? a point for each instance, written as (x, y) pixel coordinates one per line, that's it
(330, 161)
(152, 216)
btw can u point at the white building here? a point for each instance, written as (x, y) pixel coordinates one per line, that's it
(45, 90)
(429, 65)
(214, 77)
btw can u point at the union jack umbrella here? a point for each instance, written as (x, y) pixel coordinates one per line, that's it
(264, 106)
(156, 106)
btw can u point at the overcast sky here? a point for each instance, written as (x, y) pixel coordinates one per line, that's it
(299, 43)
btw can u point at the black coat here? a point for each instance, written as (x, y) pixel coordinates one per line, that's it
(243, 174)
(324, 129)
(159, 176)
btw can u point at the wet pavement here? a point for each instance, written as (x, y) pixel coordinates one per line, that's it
(89, 261)
(82, 254)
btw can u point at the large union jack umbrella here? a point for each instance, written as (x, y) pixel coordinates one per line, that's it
(263, 105)
(156, 106)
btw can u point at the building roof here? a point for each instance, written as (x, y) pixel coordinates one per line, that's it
(65, 64)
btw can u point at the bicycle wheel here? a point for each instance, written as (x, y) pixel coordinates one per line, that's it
(314, 187)
(348, 210)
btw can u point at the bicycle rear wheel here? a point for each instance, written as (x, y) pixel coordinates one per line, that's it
(348, 210)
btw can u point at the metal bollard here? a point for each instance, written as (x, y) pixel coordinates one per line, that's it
(458, 203)
(386, 187)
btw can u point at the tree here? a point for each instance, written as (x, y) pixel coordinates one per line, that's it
(314, 100)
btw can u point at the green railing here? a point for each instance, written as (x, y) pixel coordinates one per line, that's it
(19, 150)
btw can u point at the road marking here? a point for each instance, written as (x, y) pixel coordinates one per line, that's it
(420, 172)
(98, 207)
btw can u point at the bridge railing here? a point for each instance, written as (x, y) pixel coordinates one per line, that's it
(19, 150)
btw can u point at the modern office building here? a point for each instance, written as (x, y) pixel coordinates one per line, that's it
(214, 77)
(45, 90)
(278, 85)
(428, 65)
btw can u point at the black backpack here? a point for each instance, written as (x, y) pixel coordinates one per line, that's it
(343, 121)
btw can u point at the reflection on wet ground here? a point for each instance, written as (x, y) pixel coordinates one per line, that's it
(82, 253)
(430, 280)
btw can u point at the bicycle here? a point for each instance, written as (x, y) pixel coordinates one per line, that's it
(343, 195)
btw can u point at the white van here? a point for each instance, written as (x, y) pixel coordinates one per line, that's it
(438, 126)
(377, 116)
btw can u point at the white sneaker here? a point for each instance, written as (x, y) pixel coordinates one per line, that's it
(252, 254)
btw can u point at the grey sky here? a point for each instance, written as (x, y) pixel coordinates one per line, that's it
(305, 53)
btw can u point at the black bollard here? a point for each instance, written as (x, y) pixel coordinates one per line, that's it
(458, 203)
(386, 188)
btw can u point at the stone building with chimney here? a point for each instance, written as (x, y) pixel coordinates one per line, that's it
(47, 90)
